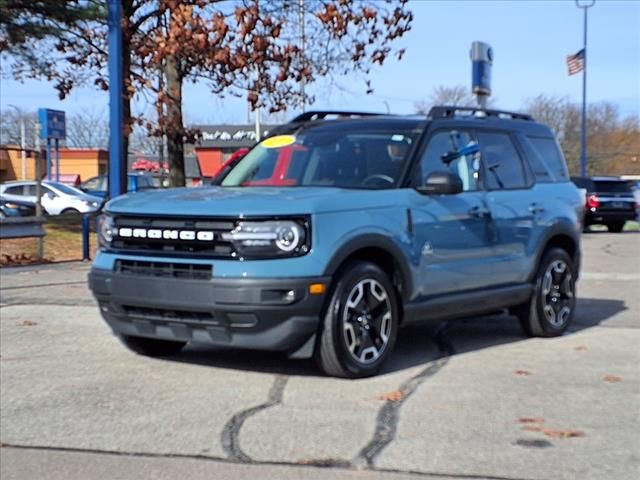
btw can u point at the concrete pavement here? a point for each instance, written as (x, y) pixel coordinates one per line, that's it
(467, 399)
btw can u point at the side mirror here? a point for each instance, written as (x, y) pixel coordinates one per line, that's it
(441, 183)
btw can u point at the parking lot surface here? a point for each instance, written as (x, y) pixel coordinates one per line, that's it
(467, 399)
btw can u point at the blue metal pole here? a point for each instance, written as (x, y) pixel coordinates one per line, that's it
(86, 236)
(116, 155)
(48, 159)
(583, 155)
(57, 149)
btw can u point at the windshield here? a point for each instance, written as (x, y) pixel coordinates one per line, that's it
(66, 189)
(325, 157)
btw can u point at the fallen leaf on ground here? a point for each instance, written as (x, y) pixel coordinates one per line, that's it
(531, 420)
(522, 373)
(28, 323)
(580, 348)
(554, 433)
(394, 396)
(612, 378)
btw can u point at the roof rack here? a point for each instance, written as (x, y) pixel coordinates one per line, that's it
(323, 114)
(449, 111)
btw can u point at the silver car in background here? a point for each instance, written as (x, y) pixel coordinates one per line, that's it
(57, 198)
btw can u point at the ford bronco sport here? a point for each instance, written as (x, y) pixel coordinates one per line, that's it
(338, 229)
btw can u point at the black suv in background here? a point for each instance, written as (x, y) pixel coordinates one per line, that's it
(609, 201)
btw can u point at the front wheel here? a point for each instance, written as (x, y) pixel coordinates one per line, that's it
(361, 323)
(551, 308)
(151, 347)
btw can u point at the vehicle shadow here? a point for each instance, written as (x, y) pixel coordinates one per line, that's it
(416, 344)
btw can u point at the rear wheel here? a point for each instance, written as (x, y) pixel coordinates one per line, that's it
(551, 308)
(615, 227)
(151, 347)
(361, 323)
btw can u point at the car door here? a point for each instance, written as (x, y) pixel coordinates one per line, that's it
(452, 237)
(513, 206)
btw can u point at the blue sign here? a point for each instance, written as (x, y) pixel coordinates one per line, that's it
(52, 124)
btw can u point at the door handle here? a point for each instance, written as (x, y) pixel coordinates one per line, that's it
(535, 208)
(479, 212)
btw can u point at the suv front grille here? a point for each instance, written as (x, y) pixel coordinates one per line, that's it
(174, 236)
(162, 269)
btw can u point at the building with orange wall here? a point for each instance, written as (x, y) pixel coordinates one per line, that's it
(82, 162)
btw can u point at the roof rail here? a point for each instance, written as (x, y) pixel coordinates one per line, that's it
(448, 111)
(322, 114)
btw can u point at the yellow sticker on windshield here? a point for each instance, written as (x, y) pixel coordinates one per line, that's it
(278, 141)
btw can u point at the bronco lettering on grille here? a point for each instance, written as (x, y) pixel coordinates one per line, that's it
(166, 234)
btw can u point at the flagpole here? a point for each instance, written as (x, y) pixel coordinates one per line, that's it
(583, 154)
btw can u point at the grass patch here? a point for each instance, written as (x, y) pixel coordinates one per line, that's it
(63, 242)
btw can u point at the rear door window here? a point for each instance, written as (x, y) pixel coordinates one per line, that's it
(15, 190)
(549, 159)
(503, 168)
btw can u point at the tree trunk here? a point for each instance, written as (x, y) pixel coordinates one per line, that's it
(173, 125)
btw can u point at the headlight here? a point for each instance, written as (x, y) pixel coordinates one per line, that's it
(269, 239)
(105, 230)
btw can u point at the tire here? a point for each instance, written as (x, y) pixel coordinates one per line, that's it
(360, 325)
(615, 227)
(552, 305)
(151, 347)
(70, 211)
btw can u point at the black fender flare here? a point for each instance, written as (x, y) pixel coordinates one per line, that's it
(561, 228)
(375, 240)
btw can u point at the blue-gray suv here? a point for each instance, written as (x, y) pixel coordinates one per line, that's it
(338, 229)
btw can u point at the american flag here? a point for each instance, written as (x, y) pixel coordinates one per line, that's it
(576, 62)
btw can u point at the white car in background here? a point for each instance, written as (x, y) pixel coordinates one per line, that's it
(57, 198)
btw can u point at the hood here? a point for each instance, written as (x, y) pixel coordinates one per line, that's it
(248, 201)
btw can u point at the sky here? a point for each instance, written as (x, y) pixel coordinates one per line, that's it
(530, 41)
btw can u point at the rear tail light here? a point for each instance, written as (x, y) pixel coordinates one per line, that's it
(593, 201)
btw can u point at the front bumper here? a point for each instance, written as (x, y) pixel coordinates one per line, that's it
(259, 314)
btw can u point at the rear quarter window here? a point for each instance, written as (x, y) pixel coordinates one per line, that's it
(546, 160)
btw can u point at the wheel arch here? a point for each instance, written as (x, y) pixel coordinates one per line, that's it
(564, 237)
(383, 252)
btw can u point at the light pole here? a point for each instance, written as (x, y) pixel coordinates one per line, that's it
(23, 141)
(583, 154)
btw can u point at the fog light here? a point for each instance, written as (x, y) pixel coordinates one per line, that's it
(290, 296)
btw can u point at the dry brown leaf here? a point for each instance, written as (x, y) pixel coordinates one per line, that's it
(522, 373)
(612, 378)
(28, 323)
(580, 348)
(394, 396)
(531, 420)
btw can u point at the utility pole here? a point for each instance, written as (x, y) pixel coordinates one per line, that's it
(583, 142)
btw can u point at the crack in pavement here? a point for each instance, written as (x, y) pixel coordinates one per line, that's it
(389, 413)
(211, 458)
(230, 434)
(386, 420)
